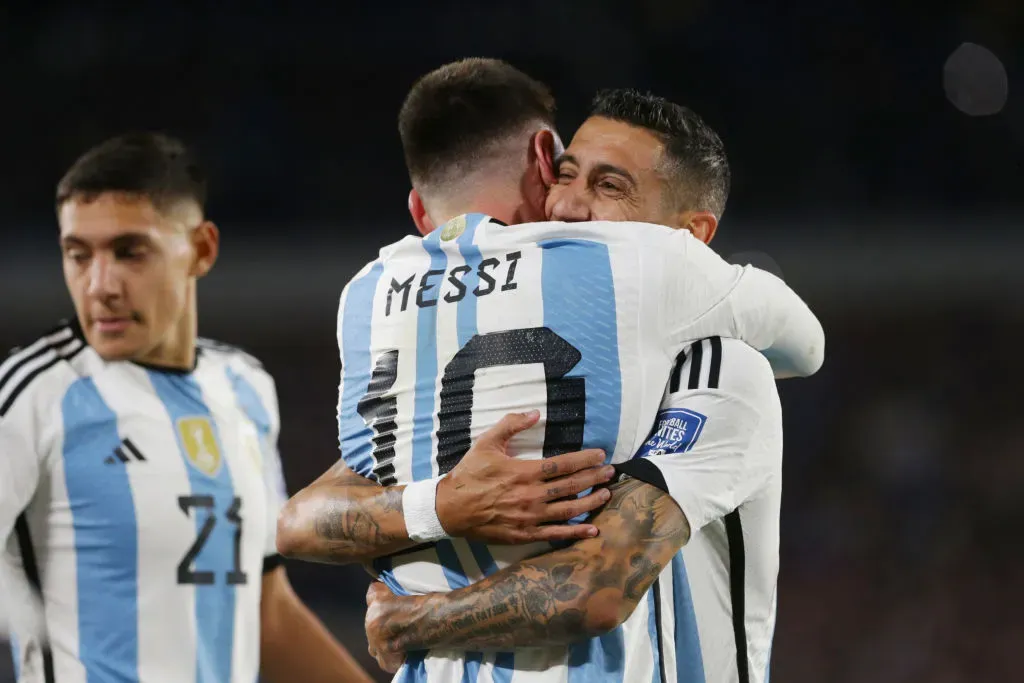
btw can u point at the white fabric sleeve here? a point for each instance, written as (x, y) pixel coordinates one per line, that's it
(277, 496)
(715, 446)
(710, 296)
(273, 475)
(19, 467)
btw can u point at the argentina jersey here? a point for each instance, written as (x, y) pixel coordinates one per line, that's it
(137, 510)
(440, 337)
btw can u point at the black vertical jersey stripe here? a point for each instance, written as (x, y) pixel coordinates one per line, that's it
(715, 371)
(698, 357)
(658, 633)
(677, 371)
(737, 574)
(31, 567)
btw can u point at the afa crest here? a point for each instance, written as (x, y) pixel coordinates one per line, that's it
(453, 228)
(200, 444)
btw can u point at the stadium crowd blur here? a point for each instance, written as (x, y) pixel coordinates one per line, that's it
(859, 170)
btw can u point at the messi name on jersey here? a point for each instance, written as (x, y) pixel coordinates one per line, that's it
(454, 284)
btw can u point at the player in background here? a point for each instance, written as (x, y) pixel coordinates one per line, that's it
(706, 613)
(489, 336)
(139, 477)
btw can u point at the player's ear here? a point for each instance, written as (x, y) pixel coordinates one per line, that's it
(546, 146)
(419, 213)
(702, 224)
(205, 248)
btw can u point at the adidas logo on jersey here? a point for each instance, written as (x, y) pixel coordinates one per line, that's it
(126, 452)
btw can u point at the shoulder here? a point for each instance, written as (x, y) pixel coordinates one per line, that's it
(27, 368)
(233, 357)
(547, 233)
(727, 365)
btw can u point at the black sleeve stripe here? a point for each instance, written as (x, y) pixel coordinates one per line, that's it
(737, 591)
(716, 362)
(65, 353)
(658, 632)
(698, 357)
(644, 470)
(677, 371)
(28, 563)
(695, 362)
(272, 562)
(19, 358)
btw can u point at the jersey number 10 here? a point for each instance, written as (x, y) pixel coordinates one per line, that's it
(566, 396)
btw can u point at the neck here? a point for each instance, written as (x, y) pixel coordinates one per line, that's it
(177, 350)
(507, 210)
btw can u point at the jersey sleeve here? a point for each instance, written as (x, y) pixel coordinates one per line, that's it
(19, 466)
(709, 296)
(716, 441)
(273, 475)
(268, 420)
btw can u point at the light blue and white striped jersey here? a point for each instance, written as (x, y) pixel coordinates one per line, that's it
(140, 505)
(442, 336)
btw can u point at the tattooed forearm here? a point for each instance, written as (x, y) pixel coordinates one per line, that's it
(352, 526)
(563, 596)
(343, 517)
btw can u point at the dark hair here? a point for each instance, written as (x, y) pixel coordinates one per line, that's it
(151, 165)
(698, 168)
(451, 115)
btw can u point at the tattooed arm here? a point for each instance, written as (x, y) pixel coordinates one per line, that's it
(343, 517)
(489, 496)
(566, 595)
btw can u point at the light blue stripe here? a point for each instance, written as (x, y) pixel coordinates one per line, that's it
(250, 403)
(466, 313)
(450, 565)
(504, 667)
(415, 669)
(471, 667)
(598, 660)
(579, 304)
(15, 656)
(426, 366)
(652, 631)
(354, 435)
(768, 663)
(214, 603)
(106, 537)
(386, 573)
(466, 317)
(689, 661)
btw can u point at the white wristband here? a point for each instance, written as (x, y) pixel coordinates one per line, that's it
(420, 511)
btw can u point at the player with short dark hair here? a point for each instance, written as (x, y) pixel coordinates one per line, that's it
(478, 122)
(140, 479)
(693, 160)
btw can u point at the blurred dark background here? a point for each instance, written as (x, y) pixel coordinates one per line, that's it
(877, 162)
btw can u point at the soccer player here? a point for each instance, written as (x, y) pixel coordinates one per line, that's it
(139, 477)
(584, 320)
(629, 606)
